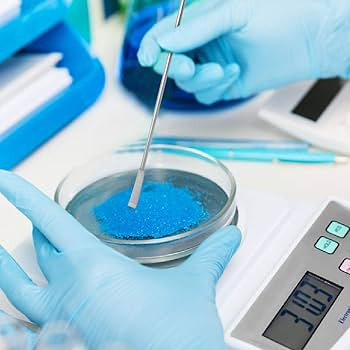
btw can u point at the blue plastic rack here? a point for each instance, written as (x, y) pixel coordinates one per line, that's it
(86, 70)
(37, 16)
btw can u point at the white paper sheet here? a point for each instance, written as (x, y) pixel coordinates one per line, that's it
(35, 95)
(20, 70)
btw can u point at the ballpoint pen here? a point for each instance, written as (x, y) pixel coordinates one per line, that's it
(239, 144)
(275, 156)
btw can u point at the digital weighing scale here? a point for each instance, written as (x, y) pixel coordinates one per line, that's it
(277, 255)
(295, 293)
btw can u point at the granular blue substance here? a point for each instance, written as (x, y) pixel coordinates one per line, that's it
(163, 210)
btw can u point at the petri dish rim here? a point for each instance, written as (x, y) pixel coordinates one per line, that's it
(206, 226)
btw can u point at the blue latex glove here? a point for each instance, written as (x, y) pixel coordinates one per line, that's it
(106, 296)
(241, 47)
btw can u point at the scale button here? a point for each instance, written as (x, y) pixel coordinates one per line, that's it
(326, 245)
(345, 266)
(337, 229)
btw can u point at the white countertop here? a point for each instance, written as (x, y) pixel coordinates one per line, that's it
(116, 120)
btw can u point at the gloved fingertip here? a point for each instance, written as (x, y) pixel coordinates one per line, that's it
(225, 243)
(230, 235)
(206, 99)
(237, 91)
(233, 71)
(148, 53)
(7, 177)
(214, 254)
(216, 71)
(169, 41)
(145, 59)
(187, 69)
(181, 68)
(216, 94)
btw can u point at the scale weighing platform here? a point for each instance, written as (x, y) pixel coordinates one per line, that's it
(295, 294)
(281, 270)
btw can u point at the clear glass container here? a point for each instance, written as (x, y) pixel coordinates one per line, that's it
(14, 334)
(144, 82)
(59, 336)
(164, 161)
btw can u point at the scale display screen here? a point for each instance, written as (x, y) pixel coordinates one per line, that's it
(317, 100)
(303, 312)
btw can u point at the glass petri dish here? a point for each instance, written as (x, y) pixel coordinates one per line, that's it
(95, 182)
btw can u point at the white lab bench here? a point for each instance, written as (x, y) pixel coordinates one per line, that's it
(116, 120)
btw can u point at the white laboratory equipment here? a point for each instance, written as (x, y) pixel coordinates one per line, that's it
(9, 9)
(294, 294)
(316, 112)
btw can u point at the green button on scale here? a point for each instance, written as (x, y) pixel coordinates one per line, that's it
(337, 229)
(326, 245)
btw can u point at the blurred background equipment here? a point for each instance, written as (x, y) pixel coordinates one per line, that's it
(28, 81)
(48, 77)
(78, 16)
(313, 111)
(89, 17)
(9, 9)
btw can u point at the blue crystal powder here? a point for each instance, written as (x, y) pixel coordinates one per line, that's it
(163, 210)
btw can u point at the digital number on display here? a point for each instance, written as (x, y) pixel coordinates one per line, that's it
(303, 312)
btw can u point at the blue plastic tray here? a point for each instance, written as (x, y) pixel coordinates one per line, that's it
(37, 16)
(88, 75)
